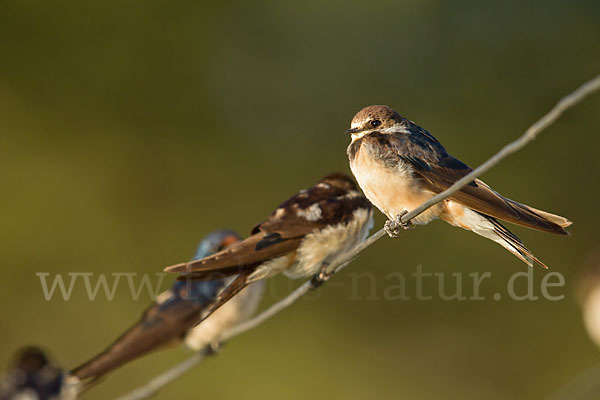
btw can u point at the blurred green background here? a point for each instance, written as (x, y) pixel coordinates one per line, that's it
(130, 129)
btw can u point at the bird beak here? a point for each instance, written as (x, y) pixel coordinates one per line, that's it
(352, 130)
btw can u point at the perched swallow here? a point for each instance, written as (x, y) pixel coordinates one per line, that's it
(400, 165)
(32, 377)
(588, 295)
(309, 231)
(175, 315)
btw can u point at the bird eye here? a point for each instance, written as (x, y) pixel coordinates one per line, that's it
(375, 123)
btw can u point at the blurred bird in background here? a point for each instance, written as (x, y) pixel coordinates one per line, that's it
(174, 318)
(588, 295)
(304, 235)
(585, 385)
(400, 165)
(32, 377)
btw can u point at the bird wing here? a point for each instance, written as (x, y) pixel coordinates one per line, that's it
(281, 233)
(440, 170)
(236, 286)
(157, 327)
(240, 257)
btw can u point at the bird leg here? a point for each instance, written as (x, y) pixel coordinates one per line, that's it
(392, 227)
(322, 277)
(213, 348)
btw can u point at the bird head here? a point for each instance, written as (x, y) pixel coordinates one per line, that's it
(339, 180)
(375, 118)
(215, 242)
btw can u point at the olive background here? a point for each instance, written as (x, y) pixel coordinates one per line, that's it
(130, 129)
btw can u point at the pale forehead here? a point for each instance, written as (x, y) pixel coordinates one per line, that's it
(376, 112)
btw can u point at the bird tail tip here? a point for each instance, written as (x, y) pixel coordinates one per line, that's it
(177, 268)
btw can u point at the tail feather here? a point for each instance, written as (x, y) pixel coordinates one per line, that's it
(513, 244)
(236, 286)
(485, 200)
(536, 219)
(242, 256)
(459, 215)
(556, 219)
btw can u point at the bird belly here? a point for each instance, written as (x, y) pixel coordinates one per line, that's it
(236, 310)
(327, 245)
(392, 189)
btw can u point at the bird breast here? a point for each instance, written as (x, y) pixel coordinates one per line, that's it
(390, 185)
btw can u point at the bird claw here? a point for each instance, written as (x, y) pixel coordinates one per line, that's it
(392, 227)
(213, 348)
(321, 278)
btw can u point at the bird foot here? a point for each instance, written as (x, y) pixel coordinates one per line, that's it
(392, 227)
(213, 348)
(320, 278)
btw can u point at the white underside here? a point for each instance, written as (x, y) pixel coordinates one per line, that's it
(330, 244)
(233, 312)
(464, 217)
(392, 191)
(319, 248)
